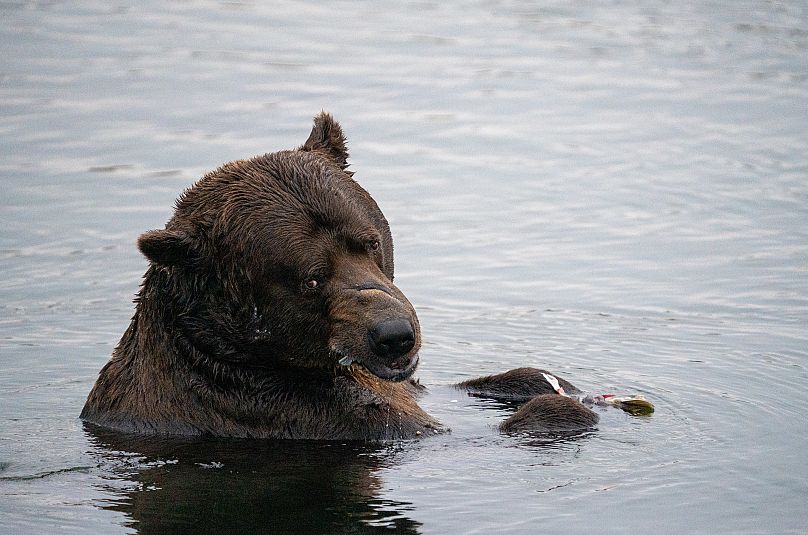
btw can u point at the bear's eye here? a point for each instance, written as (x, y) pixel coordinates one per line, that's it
(372, 245)
(312, 282)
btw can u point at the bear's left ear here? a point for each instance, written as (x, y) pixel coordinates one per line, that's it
(327, 138)
(166, 247)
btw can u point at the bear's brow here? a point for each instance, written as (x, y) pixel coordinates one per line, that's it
(358, 242)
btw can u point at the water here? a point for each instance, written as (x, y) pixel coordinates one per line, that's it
(612, 191)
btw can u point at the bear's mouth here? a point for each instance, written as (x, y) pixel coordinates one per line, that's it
(397, 370)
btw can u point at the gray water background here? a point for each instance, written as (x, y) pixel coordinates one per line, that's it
(616, 191)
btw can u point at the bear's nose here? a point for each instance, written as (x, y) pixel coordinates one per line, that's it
(392, 338)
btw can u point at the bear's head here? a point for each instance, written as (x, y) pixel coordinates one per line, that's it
(282, 261)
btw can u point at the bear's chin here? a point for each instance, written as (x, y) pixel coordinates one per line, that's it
(389, 373)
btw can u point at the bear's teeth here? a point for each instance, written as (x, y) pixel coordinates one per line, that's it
(346, 360)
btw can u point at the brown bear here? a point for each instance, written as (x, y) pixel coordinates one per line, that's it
(269, 310)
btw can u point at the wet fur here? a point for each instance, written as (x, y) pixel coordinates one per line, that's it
(231, 338)
(520, 384)
(550, 413)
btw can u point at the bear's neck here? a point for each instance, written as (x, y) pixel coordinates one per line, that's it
(158, 382)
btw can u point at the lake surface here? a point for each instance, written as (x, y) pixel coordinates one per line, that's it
(616, 192)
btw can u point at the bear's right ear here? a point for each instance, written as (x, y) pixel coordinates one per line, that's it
(327, 138)
(166, 247)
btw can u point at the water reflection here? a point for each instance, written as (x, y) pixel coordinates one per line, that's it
(175, 485)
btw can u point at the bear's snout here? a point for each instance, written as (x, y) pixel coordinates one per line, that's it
(372, 323)
(392, 338)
